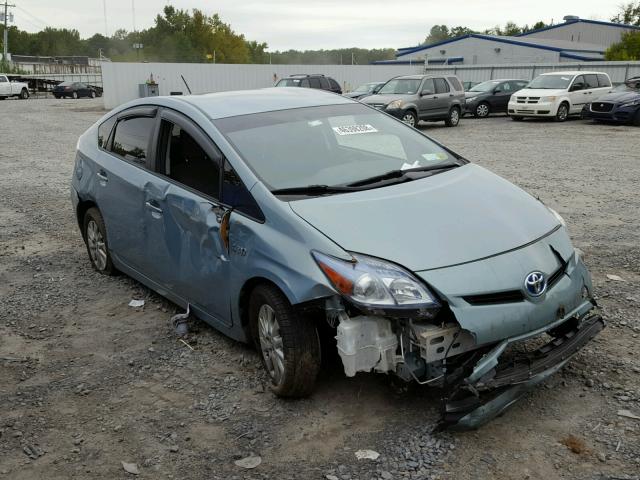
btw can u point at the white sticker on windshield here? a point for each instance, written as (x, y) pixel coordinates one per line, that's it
(354, 129)
(315, 123)
(432, 157)
(407, 166)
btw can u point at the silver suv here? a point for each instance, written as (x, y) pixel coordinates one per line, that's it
(412, 98)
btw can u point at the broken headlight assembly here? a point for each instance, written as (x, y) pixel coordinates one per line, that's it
(379, 287)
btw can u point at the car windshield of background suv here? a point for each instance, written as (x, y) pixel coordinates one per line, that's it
(329, 145)
(485, 86)
(401, 86)
(551, 82)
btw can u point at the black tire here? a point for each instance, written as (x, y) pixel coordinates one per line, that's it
(482, 110)
(410, 118)
(58, 97)
(24, 94)
(74, 95)
(516, 118)
(453, 119)
(563, 112)
(92, 94)
(636, 119)
(93, 216)
(297, 337)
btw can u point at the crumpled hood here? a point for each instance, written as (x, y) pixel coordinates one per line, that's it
(619, 97)
(457, 216)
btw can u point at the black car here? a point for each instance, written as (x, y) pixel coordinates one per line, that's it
(365, 90)
(491, 96)
(313, 80)
(622, 105)
(74, 90)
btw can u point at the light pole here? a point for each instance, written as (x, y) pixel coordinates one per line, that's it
(5, 39)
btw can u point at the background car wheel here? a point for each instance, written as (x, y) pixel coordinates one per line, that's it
(516, 118)
(482, 110)
(93, 94)
(636, 119)
(410, 118)
(454, 117)
(75, 95)
(288, 342)
(95, 237)
(562, 113)
(24, 94)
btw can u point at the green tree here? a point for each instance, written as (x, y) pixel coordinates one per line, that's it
(438, 33)
(629, 14)
(460, 31)
(627, 49)
(511, 29)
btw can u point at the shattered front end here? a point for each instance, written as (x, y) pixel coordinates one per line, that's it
(501, 327)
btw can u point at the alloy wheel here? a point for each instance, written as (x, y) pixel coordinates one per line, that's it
(454, 116)
(482, 110)
(271, 343)
(409, 119)
(97, 246)
(562, 113)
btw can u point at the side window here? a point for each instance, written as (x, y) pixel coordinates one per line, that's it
(428, 86)
(520, 85)
(304, 83)
(603, 80)
(235, 194)
(324, 83)
(3, 79)
(186, 162)
(505, 87)
(334, 84)
(314, 82)
(441, 85)
(456, 83)
(104, 130)
(579, 82)
(591, 81)
(131, 140)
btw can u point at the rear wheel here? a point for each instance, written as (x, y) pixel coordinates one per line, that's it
(563, 112)
(454, 117)
(95, 237)
(483, 110)
(24, 94)
(93, 94)
(288, 342)
(410, 118)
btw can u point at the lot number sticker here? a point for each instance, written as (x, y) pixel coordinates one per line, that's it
(354, 129)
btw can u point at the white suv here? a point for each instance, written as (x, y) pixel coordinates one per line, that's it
(558, 94)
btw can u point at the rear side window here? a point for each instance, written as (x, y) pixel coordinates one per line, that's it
(456, 83)
(324, 83)
(314, 82)
(441, 85)
(236, 195)
(104, 130)
(305, 83)
(603, 80)
(591, 81)
(131, 139)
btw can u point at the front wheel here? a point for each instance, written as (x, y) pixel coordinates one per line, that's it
(93, 94)
(482, 110)
(75, 95)
(288, 342)
(410, 118)
(454, 117)
(24, 94)
(563, 112)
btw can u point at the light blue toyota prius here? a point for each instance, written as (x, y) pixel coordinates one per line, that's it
(286, 216)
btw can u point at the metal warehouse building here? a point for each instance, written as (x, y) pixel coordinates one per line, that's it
(574, 40)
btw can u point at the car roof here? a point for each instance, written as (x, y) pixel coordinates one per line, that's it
(246, 102)
(574, 72)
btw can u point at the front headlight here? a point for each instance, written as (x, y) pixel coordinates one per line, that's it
(378, 286)
(558, 217)
(549, 99)
(395, 104)
(634, 103)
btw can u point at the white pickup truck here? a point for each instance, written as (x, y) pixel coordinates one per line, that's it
(12, 89)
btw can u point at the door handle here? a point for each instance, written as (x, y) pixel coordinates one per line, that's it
(102, 176)
(153, 207)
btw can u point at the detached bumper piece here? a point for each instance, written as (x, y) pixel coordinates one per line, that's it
(470, 404)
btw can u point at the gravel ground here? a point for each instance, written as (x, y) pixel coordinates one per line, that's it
(87, 382)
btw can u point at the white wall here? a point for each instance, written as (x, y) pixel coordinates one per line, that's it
(582, 32)
(120, 80)
(477, 51)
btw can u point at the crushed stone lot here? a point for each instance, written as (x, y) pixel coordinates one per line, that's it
(87, 382)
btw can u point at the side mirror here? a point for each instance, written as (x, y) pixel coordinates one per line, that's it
(426, 92)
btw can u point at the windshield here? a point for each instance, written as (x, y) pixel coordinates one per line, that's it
(365, 88)
(400, 86)
(551, 81)
(628, 87)
(485, 86)
(288, 82)
(328, 145)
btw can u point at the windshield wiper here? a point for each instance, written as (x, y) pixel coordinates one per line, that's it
(399, 174)
(313, 190)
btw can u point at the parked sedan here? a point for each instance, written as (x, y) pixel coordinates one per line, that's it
(364, 90)
(620, 106)
(73, 90)
(492, 96)
(278, 214)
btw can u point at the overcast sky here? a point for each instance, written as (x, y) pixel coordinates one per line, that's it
(300, 24)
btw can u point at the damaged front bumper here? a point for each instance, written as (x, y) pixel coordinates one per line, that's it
(495, 383)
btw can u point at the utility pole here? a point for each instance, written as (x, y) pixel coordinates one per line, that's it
(5, 40)
(104, 7)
